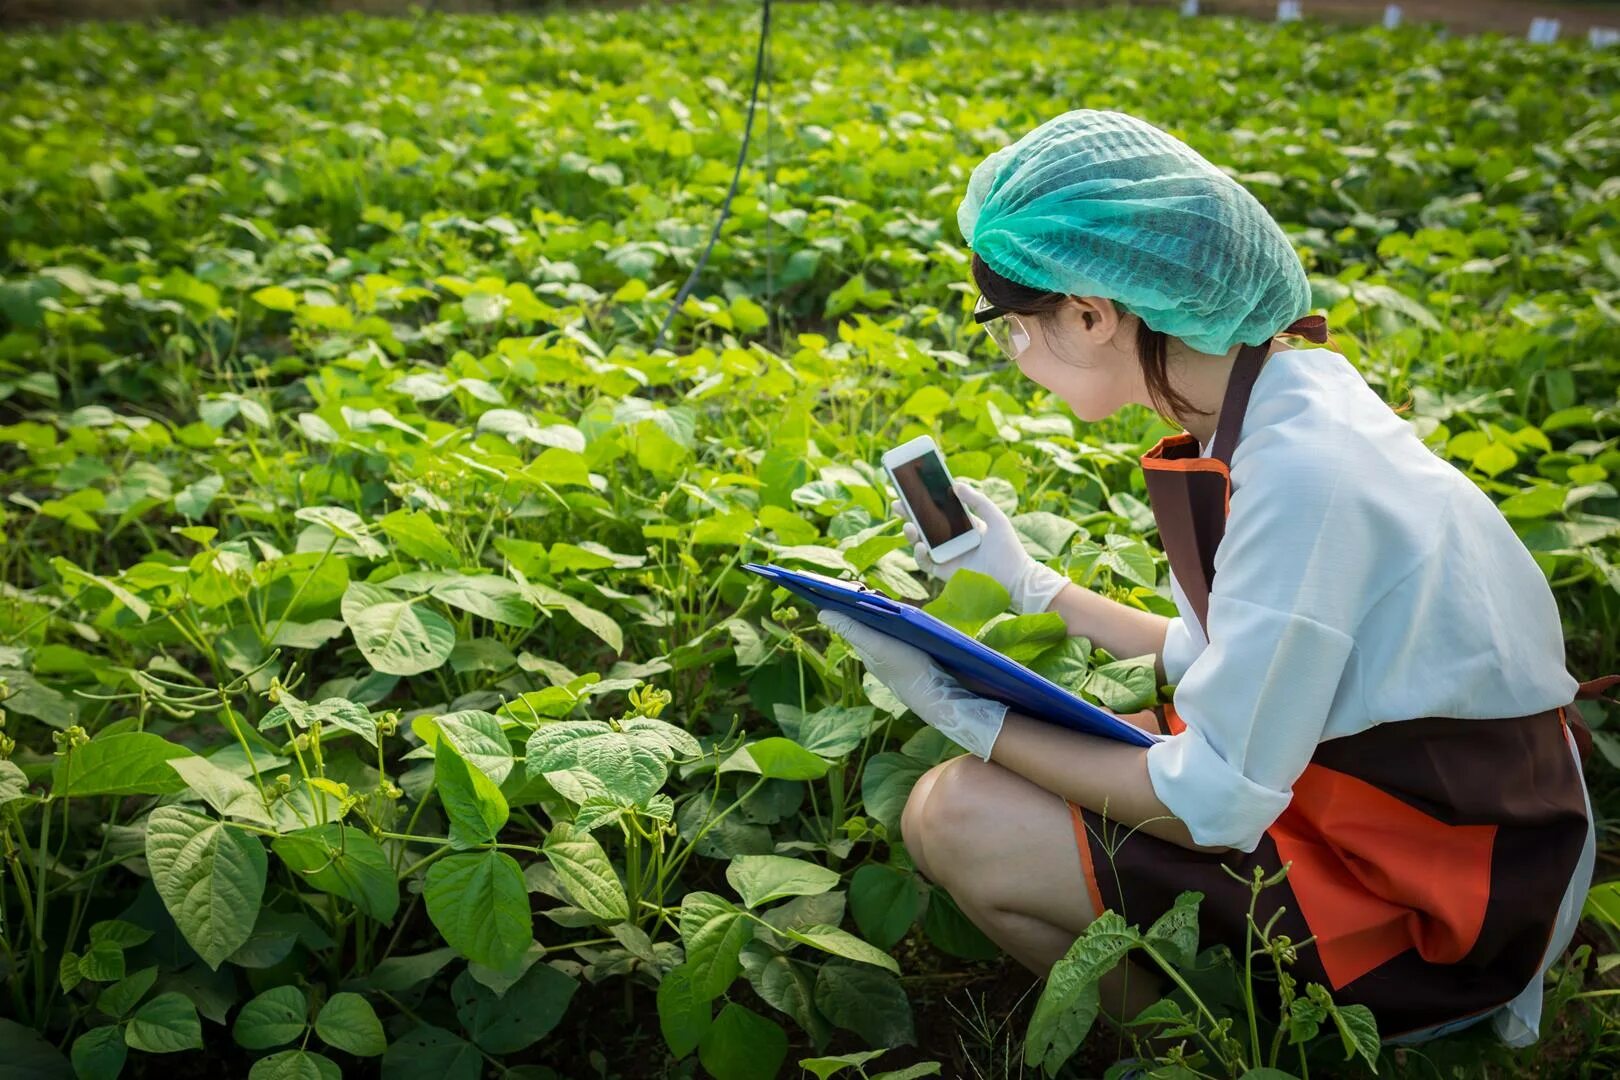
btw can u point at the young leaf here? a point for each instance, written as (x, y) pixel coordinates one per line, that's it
(210, 876)
(1175, 933)
(472, 801)
(714, 931)
(274, 1018)
(166, 1024)
(585, 872)
(349, 1023)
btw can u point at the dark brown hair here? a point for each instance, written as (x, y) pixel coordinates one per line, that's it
(1152, 347)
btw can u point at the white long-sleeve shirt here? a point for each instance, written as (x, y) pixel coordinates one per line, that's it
(1361, 580)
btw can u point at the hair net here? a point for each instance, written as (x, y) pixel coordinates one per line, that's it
(1098, 203)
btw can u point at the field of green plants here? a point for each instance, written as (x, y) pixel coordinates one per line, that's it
(382, 692)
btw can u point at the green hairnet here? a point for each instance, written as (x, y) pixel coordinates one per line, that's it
(1097, 203)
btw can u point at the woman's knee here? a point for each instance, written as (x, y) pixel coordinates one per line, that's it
(938, 808)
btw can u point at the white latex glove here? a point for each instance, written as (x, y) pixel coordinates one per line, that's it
(1000, 554)
(970, 721)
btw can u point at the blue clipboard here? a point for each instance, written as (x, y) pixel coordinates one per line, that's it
(976, 666)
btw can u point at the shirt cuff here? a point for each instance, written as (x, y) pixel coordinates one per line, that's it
(1179, 651)
(1219, 805)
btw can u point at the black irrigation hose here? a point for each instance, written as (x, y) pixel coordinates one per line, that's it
(725, 208)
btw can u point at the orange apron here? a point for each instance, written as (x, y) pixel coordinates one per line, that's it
(1429, 856)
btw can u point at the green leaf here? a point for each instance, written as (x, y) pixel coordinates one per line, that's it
(784, 759)
(1024, 637)
(432, 1053)
(867, 1001)
(1124, 685)
(24, 1055)
(13, 782)
(227, 793)
(472, 801)
(481, 906)
(403, 972)
(886, 784)
(885, 902)
(295, 1065)
(1069, 1001)
(585, 872)
(743, 1045)
(969, 600)
(274, 1018)
(1357, 1028)
(759, 879)
(99, 1053)
(343, 861)
(1175, 933)
(397, 637)
(842, 943)
(210, 876)
(165, 1025)
(348, 1023)
(276, 298)
(684, 1013)
(128, 763)
(123, 995)
(714, 931)
(476, 735)
(516, 1020)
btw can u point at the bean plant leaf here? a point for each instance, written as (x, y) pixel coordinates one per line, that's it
(432, 1053)
(759, 879)
(1069, 1001)
(274, 1018)
(842, 943)
(586, 875)
(867, 1001)
(472, 801)
(295, 1065)
(396, 636)
(969, 600)
(347, 1022)
(99, 1053)
(684, 1011)
(1124, 685)
(211, 878)
(343, 861)
(476, 735)
(128, 763)
(1175, 933)
(166, 1024)
(519, 1018)
(714, 931)
(743, 1045)
(124, 994)
(227, 793)
(885, 902)
(481, 906)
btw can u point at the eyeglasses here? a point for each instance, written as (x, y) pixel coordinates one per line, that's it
(1006, 329)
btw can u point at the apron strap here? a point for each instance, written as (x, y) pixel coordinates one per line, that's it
(1245, 370)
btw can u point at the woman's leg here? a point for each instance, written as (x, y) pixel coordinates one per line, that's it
(1004, 848)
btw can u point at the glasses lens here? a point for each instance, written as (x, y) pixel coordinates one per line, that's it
(1001, 334)
(1017, 335)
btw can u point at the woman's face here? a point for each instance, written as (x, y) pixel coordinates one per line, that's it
(1084, 352)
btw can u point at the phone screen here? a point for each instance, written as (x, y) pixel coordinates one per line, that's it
(926, 487)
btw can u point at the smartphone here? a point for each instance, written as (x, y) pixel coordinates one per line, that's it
(917, 471)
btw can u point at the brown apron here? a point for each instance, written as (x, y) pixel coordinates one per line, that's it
(1429, 856)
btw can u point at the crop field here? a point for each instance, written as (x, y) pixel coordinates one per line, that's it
(381, 689)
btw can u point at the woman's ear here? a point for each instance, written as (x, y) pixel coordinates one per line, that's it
(1098, 315)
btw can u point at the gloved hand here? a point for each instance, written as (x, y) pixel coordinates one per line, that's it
(970, 721)
(1000, 554)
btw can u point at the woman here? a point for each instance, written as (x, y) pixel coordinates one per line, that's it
(1369, 665)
